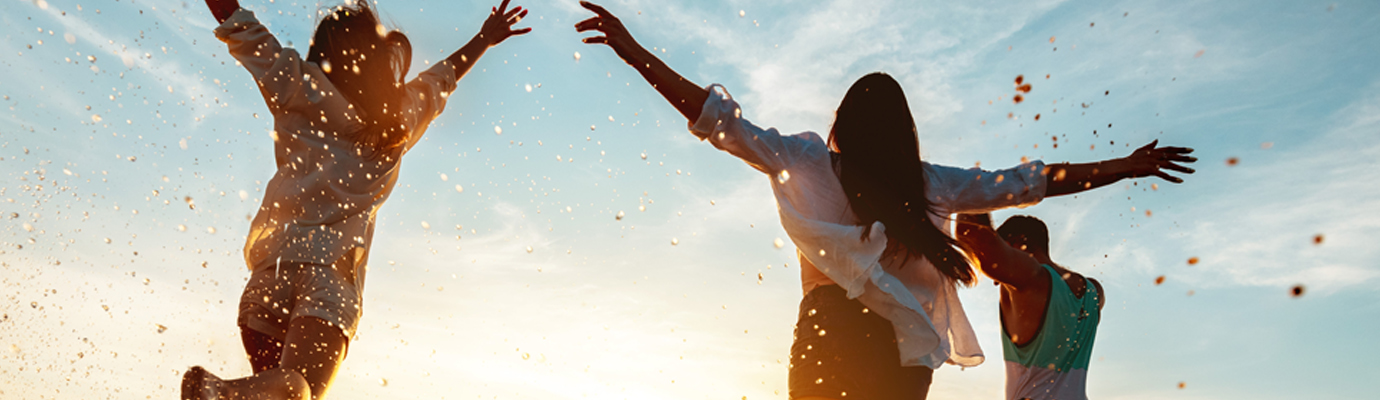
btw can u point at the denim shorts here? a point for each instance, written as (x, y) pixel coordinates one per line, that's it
(842, 350)
(278, 294)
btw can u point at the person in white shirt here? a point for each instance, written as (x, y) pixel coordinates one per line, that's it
(868, 216)
(343, 118)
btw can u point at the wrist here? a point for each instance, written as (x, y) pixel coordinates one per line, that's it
(483, 40)
(1121, 168)
(632, 52)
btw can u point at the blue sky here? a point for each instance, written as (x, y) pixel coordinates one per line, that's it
(113, 284)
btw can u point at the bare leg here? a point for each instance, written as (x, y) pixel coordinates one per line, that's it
(265, 352)
(314, 349)
(310, 357)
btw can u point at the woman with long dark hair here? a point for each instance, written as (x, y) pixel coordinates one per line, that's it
(868, 216)
(343, 118)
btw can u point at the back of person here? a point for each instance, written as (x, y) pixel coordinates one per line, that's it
(1049, 314)
(1053, 364)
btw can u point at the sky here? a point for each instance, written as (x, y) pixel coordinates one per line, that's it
(133, 153)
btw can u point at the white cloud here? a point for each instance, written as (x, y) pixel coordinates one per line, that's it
(1257, 224)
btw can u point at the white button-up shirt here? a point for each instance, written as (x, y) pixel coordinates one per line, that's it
(319, 206)
(921, 303)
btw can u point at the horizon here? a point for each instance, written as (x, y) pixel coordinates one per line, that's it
(644, 265)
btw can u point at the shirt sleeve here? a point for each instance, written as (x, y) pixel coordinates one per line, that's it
(721, 122)
(277, 72)
(426, 98)
(974, 190)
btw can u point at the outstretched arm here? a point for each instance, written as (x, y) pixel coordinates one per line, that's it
(684, 95)
(497, 28)
(1146, 161)
(222, 9)
(996, 259)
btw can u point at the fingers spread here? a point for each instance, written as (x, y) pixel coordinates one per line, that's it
(517, 18)
(592, 23)
(1168, 177)
(1177, 167)
(596, 9)
(514, 11)
(519, 31)
(503, 6)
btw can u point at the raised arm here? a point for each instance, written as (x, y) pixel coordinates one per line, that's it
(222, 9)
(996, 259)
(1148, 160)
(497, 28)
(685, 96)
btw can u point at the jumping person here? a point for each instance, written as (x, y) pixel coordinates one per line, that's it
(1049, 314)
(343, 118)
(879, 272)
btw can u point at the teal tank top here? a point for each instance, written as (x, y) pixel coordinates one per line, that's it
(1055, 364)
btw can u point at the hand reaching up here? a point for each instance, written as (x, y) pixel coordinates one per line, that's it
(615, 35)
(499, 26)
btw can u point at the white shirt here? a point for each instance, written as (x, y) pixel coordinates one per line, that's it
(921, 303)
(319, 206)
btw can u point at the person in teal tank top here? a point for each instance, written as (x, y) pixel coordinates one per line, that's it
(1049, 314)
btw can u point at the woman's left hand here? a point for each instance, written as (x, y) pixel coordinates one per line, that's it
(499, 26)
(616, 36)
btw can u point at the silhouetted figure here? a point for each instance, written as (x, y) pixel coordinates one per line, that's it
(343, 117)
(867, 214)
(1049, 314)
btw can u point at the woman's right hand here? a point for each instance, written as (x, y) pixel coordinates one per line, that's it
(499, 25)
(616, 36)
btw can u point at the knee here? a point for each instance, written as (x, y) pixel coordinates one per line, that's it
(297, 386)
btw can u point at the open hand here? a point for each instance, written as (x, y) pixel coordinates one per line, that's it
(615, 35)
(499, 26)
(1150, 160)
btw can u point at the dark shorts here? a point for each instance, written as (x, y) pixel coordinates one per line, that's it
(275, 295)
(841, 350)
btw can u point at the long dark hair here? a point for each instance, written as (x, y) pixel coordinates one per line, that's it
(366, 63)
(877, 157)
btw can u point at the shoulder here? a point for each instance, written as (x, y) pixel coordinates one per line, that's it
(1101, 294)
(810, 138)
